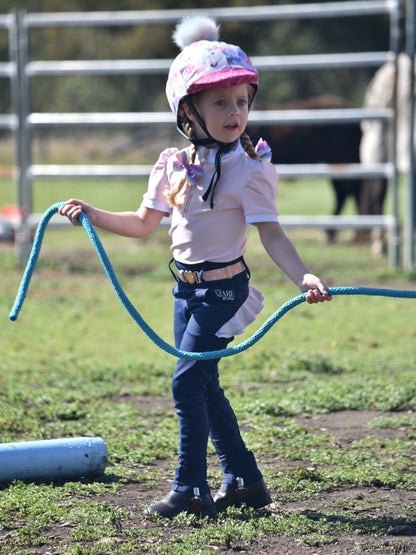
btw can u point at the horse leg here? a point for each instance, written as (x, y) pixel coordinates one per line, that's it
(340, 197)
(371, 203)
(378, 246)
(344, 188)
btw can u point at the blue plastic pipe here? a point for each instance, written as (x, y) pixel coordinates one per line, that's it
(53, 459)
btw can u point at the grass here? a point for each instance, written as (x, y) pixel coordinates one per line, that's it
(74, 363)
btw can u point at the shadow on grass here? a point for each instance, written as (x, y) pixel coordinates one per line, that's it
(382, 525)
(107, 478)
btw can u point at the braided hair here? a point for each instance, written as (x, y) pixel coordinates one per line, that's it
(172, 194)
(248, 146)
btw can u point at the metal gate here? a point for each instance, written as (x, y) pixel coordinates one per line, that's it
(20, 70)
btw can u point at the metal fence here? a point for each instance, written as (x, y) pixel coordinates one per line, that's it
(20, 70)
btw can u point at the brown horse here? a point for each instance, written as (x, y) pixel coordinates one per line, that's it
(330, 143)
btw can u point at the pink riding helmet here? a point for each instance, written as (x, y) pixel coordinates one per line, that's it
(205, 64)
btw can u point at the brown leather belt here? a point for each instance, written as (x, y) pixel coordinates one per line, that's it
(227, 272)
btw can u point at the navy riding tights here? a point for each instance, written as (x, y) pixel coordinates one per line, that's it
(203, 410)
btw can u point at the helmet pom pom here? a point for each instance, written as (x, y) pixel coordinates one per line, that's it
(195, 28)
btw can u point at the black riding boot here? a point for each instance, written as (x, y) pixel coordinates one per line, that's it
(234, 495)
(176, 502)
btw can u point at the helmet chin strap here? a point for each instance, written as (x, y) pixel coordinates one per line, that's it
(223, 148)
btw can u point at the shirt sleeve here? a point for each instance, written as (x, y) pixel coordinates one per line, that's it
(159, 184)
(260, 193)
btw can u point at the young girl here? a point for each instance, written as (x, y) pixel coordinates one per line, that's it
(214, 189)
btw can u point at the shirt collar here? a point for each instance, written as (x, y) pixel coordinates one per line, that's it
(208, 154)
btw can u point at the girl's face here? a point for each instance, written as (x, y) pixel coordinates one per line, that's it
(224, 111)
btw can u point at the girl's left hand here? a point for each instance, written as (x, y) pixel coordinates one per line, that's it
(317, 291)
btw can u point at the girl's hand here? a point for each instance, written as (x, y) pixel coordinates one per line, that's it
(72, 210)
(317, 291)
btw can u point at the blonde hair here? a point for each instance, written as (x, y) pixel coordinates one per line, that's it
(173, 193)
(248, 146)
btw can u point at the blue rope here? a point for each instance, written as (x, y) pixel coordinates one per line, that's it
(21, 294)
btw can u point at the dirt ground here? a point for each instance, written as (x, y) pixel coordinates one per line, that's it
(401, 538)
(132, 494)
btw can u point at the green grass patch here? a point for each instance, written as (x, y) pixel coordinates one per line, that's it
(75, 363)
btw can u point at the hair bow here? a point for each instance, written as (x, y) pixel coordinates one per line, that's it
(263, 151)
(193, 171)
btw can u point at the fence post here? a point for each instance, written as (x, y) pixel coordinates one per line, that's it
(14, 94)
(394, 234)
(410, 214)
(21, 100)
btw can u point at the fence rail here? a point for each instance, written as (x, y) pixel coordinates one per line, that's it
(8, 122)
(146, 67)
(255, 13)
(20, 70)
(289, 222)
(264, 117)
(285, 171)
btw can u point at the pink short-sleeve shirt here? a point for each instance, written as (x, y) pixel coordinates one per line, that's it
(245, 194)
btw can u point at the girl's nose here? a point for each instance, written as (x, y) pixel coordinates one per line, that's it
(234, 108)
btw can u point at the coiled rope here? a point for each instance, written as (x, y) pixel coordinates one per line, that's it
(24, 285)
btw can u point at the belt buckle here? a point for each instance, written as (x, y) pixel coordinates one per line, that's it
(189, 277)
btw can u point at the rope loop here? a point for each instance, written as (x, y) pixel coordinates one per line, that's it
(109, 270)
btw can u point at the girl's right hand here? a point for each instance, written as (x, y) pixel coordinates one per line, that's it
(72, 210)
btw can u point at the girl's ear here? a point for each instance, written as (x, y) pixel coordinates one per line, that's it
(188, 112)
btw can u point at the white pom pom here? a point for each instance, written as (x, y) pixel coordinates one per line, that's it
(194, 28)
